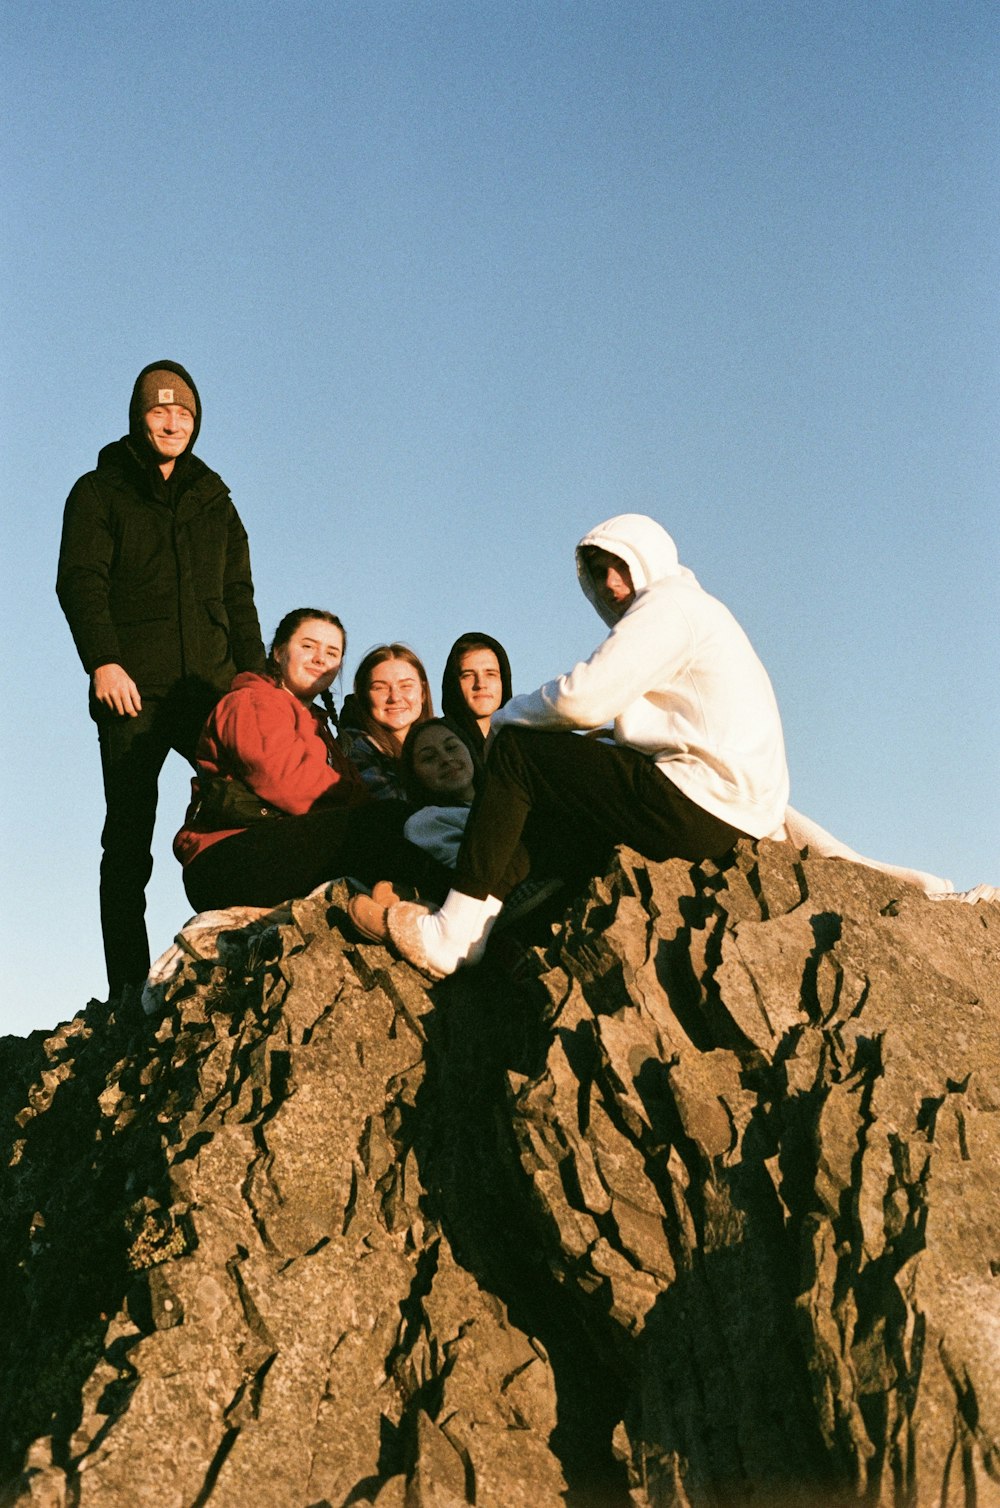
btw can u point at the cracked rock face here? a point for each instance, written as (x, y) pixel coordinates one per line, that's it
(692, 1198)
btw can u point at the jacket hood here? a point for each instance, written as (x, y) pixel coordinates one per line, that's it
(136, 429)
(453, 703)
(644, 545)
(244, 678)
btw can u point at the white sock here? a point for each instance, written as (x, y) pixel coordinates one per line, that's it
(457, 933)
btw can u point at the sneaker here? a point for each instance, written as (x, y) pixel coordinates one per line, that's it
(527, 897)
(970, 897)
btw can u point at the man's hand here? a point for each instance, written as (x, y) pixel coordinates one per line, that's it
(114, 688)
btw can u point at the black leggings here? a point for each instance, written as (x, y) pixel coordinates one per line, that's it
(282, 857)
(584, 794)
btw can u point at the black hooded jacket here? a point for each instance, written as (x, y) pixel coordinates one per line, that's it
(453, 704)
(154, 575)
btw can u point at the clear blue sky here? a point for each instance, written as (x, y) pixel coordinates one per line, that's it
(457, 281)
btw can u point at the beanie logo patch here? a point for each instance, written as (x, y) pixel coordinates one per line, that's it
(165, 395)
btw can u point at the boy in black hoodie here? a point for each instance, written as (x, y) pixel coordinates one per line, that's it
(476, 683)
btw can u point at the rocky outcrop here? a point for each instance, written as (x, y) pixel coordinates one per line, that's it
(694, 1203)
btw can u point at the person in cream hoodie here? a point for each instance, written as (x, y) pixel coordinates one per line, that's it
(696, 759)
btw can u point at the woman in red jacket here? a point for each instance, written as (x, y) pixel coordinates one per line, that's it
(277, 808)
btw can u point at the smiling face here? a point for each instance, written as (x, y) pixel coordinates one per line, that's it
(612, 581)
(395, 696)
(442, 763)
(481, 684)
(308, 662)
(169, 427)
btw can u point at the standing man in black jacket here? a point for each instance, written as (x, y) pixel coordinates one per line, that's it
(154, 579)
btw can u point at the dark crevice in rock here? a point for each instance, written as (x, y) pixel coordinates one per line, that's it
(218, 1461)
(477, 1195)
(928, 1113)
(793, 1125)
(684, 989)
(191, 1147)
(255, 1323)
(246, 1401)
(280, 1084)
(756, 885)
(466, 1459)
(411, 1312)
(826, 928)
(257, 1172)
(695, 997)
(862, 998)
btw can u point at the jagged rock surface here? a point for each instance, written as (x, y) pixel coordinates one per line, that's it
(697, 1204)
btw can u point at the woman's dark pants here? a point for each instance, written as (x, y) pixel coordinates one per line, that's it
(281, 857)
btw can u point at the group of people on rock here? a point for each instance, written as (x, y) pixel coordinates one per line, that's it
(685, 755)
(372, 798)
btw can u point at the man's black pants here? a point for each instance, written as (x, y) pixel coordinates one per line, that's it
(133, 751)
(581, 793)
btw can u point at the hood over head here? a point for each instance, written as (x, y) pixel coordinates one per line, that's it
(139, 405)
(453, 703)
(643, 544)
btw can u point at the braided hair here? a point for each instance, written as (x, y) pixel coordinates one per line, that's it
(284, 631)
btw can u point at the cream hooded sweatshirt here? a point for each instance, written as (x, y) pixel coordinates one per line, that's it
(680, 680)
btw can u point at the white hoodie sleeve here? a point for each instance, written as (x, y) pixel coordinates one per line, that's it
(647, 649)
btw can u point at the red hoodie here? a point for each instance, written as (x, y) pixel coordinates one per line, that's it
(280, 748)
